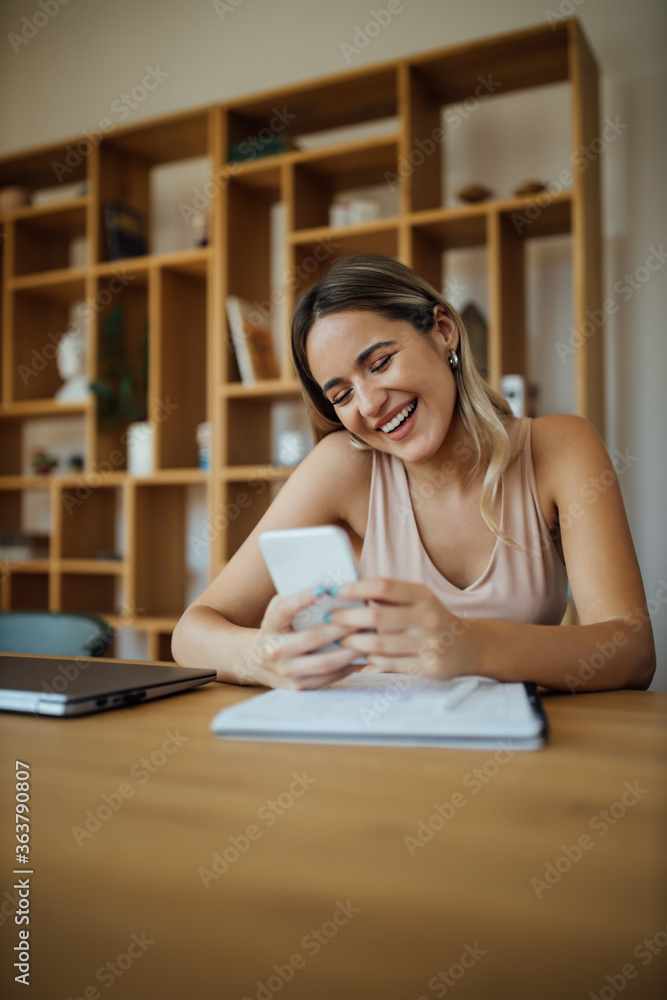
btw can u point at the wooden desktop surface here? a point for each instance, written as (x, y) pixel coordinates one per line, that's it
(323, 897)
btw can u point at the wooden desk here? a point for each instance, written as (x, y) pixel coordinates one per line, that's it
(461, 905)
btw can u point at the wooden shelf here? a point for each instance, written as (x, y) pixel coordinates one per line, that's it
(361, 230)
(95, 479)
(193, 261)
(63, 285)
(26, 565)
(67, 215)
(43, 408)
(269, 389)
(167, 476)
(144, 623)
(25, 482)
(100, 567)
(173, 304)
(241, 473)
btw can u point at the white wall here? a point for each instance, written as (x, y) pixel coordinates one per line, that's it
(68, 75)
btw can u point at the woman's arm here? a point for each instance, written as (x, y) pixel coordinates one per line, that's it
(612, 648)
(237, 626)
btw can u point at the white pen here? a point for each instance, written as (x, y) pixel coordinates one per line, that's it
(459, 694)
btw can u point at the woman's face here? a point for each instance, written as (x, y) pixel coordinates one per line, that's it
(390, 385)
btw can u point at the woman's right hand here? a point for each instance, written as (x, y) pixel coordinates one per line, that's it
(280, 657)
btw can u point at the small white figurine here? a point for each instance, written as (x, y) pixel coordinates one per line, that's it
(71, 361)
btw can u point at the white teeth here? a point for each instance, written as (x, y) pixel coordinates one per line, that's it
(399, 418)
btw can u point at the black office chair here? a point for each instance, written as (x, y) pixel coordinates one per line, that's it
(59, 633)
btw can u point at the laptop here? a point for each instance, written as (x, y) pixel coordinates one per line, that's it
(52, 685)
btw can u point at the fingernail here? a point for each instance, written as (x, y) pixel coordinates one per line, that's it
(319, 591)
(328, 617)
(333, 590)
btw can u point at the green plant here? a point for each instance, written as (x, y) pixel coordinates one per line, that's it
(121, 389)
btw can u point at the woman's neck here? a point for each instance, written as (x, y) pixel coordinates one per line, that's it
(451, 467)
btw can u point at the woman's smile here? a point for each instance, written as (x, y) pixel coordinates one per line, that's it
(399, 421)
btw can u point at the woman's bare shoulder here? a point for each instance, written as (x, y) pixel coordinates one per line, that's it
(566, 450)
(556, 434)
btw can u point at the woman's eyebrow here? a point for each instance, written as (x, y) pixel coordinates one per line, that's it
(358, 361)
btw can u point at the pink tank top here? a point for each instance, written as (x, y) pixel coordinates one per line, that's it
(521, 586)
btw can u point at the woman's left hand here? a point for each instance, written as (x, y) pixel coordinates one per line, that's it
(410, 630)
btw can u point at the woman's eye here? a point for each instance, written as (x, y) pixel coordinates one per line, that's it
(377, 366)
(382, 363)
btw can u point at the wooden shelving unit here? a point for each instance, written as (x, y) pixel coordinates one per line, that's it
(179, 297)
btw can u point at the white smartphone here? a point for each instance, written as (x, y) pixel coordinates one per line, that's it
(308, 558)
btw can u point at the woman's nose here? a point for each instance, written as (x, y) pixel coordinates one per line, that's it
(370, 399)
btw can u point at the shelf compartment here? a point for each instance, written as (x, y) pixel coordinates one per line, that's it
(166, 140)
(249, 430)
(159, 529)
(451, 253)
(159, 646)
(440, 231)
(329, 103)
(120, 334)
(44, 237)
(244, 503)
(248, 243)
(530, 58)
(253, 426)
(181, 376)
(157, 633)
(310, 262)
(539, 215)
(18, 524)
(254, 213)
(88, 593)
(25, 588)
(38, 168)
(129, 158)
(89, 518)
(60, 431)
(320, 175)
(37, 318)
(11, 452)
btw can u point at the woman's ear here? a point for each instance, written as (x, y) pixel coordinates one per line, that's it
(445, 328)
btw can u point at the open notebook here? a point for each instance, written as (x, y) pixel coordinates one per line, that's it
(393, 710)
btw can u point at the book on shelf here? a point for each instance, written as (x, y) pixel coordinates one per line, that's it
(252, 340)
(253, 147)
(125, 229)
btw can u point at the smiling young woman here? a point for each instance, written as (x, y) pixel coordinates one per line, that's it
(467, 523)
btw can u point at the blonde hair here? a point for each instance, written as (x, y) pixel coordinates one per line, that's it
(385, 286)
